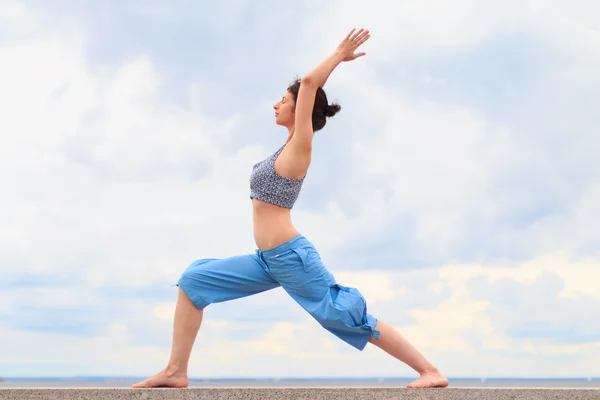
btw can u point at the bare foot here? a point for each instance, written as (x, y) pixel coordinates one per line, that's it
(163, 379)
(429, 380)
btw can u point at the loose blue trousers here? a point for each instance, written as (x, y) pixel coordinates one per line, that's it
(296, 266)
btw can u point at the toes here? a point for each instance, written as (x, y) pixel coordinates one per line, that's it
(142, 385)
(419, 384)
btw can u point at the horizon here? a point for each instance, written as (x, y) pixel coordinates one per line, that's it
(310, 378)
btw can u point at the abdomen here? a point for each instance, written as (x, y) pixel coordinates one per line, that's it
(272, 224)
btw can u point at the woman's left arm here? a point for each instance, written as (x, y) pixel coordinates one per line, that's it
(344, 52)
(303, 135)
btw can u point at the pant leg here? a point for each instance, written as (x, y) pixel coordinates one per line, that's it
(339, 309)
(212, 280)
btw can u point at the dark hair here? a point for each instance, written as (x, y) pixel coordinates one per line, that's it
(321, 110)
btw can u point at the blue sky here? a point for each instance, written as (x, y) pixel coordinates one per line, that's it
(457, 189)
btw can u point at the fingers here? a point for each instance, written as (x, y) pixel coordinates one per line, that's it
(360, 34)
(359, 37)
(362, 40)
(357, 55)
(361, 30)
(352, 41)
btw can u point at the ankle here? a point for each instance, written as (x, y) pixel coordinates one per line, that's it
(175, 370)
(430, 369)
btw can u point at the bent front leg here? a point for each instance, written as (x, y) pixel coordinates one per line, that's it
(339, 309)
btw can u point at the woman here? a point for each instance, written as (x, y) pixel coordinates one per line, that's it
(284, 257)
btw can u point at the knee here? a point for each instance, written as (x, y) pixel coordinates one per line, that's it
(196, 272)
(346, 316)
(343, 308)
(192, 283)
(194, 269)
(349, 304)
(187, 276)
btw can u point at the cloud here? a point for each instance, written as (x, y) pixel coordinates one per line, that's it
(86, 168)
(537, 310)
(456, 190)
(482, 167)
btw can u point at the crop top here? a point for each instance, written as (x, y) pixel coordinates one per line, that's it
(268, 186)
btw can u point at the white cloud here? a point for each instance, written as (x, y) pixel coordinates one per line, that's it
(432, 25)
(15, 19)
(112, 187)
(84, 153)
(464, 183)
(457, 324)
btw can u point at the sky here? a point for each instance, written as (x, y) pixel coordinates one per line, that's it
(455, 189)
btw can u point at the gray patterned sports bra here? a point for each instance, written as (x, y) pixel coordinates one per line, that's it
(268, 186)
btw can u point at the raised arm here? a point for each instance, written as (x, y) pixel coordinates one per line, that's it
(346, 51)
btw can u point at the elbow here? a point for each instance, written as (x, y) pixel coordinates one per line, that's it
(308, 81)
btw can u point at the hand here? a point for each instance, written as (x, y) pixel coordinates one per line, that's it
(346, 49)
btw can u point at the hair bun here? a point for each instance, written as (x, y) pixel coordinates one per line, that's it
(332, 109)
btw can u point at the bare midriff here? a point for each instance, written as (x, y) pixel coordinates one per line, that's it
(272, 225)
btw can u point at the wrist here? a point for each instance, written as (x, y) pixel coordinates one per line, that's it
(337, 57)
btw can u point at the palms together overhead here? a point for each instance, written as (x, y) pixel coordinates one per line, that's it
(347, 49)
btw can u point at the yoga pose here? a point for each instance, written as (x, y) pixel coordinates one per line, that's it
(284, 257)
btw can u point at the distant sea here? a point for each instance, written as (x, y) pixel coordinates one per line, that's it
(103, 381)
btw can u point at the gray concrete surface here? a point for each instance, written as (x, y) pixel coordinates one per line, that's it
(296, 393)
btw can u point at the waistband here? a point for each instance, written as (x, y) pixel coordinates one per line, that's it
(296, 241)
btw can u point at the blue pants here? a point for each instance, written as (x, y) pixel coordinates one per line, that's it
(296, 266)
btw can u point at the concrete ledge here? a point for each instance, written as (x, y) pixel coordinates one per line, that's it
(295, 393)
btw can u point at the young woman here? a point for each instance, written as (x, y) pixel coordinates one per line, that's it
(284, 257)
